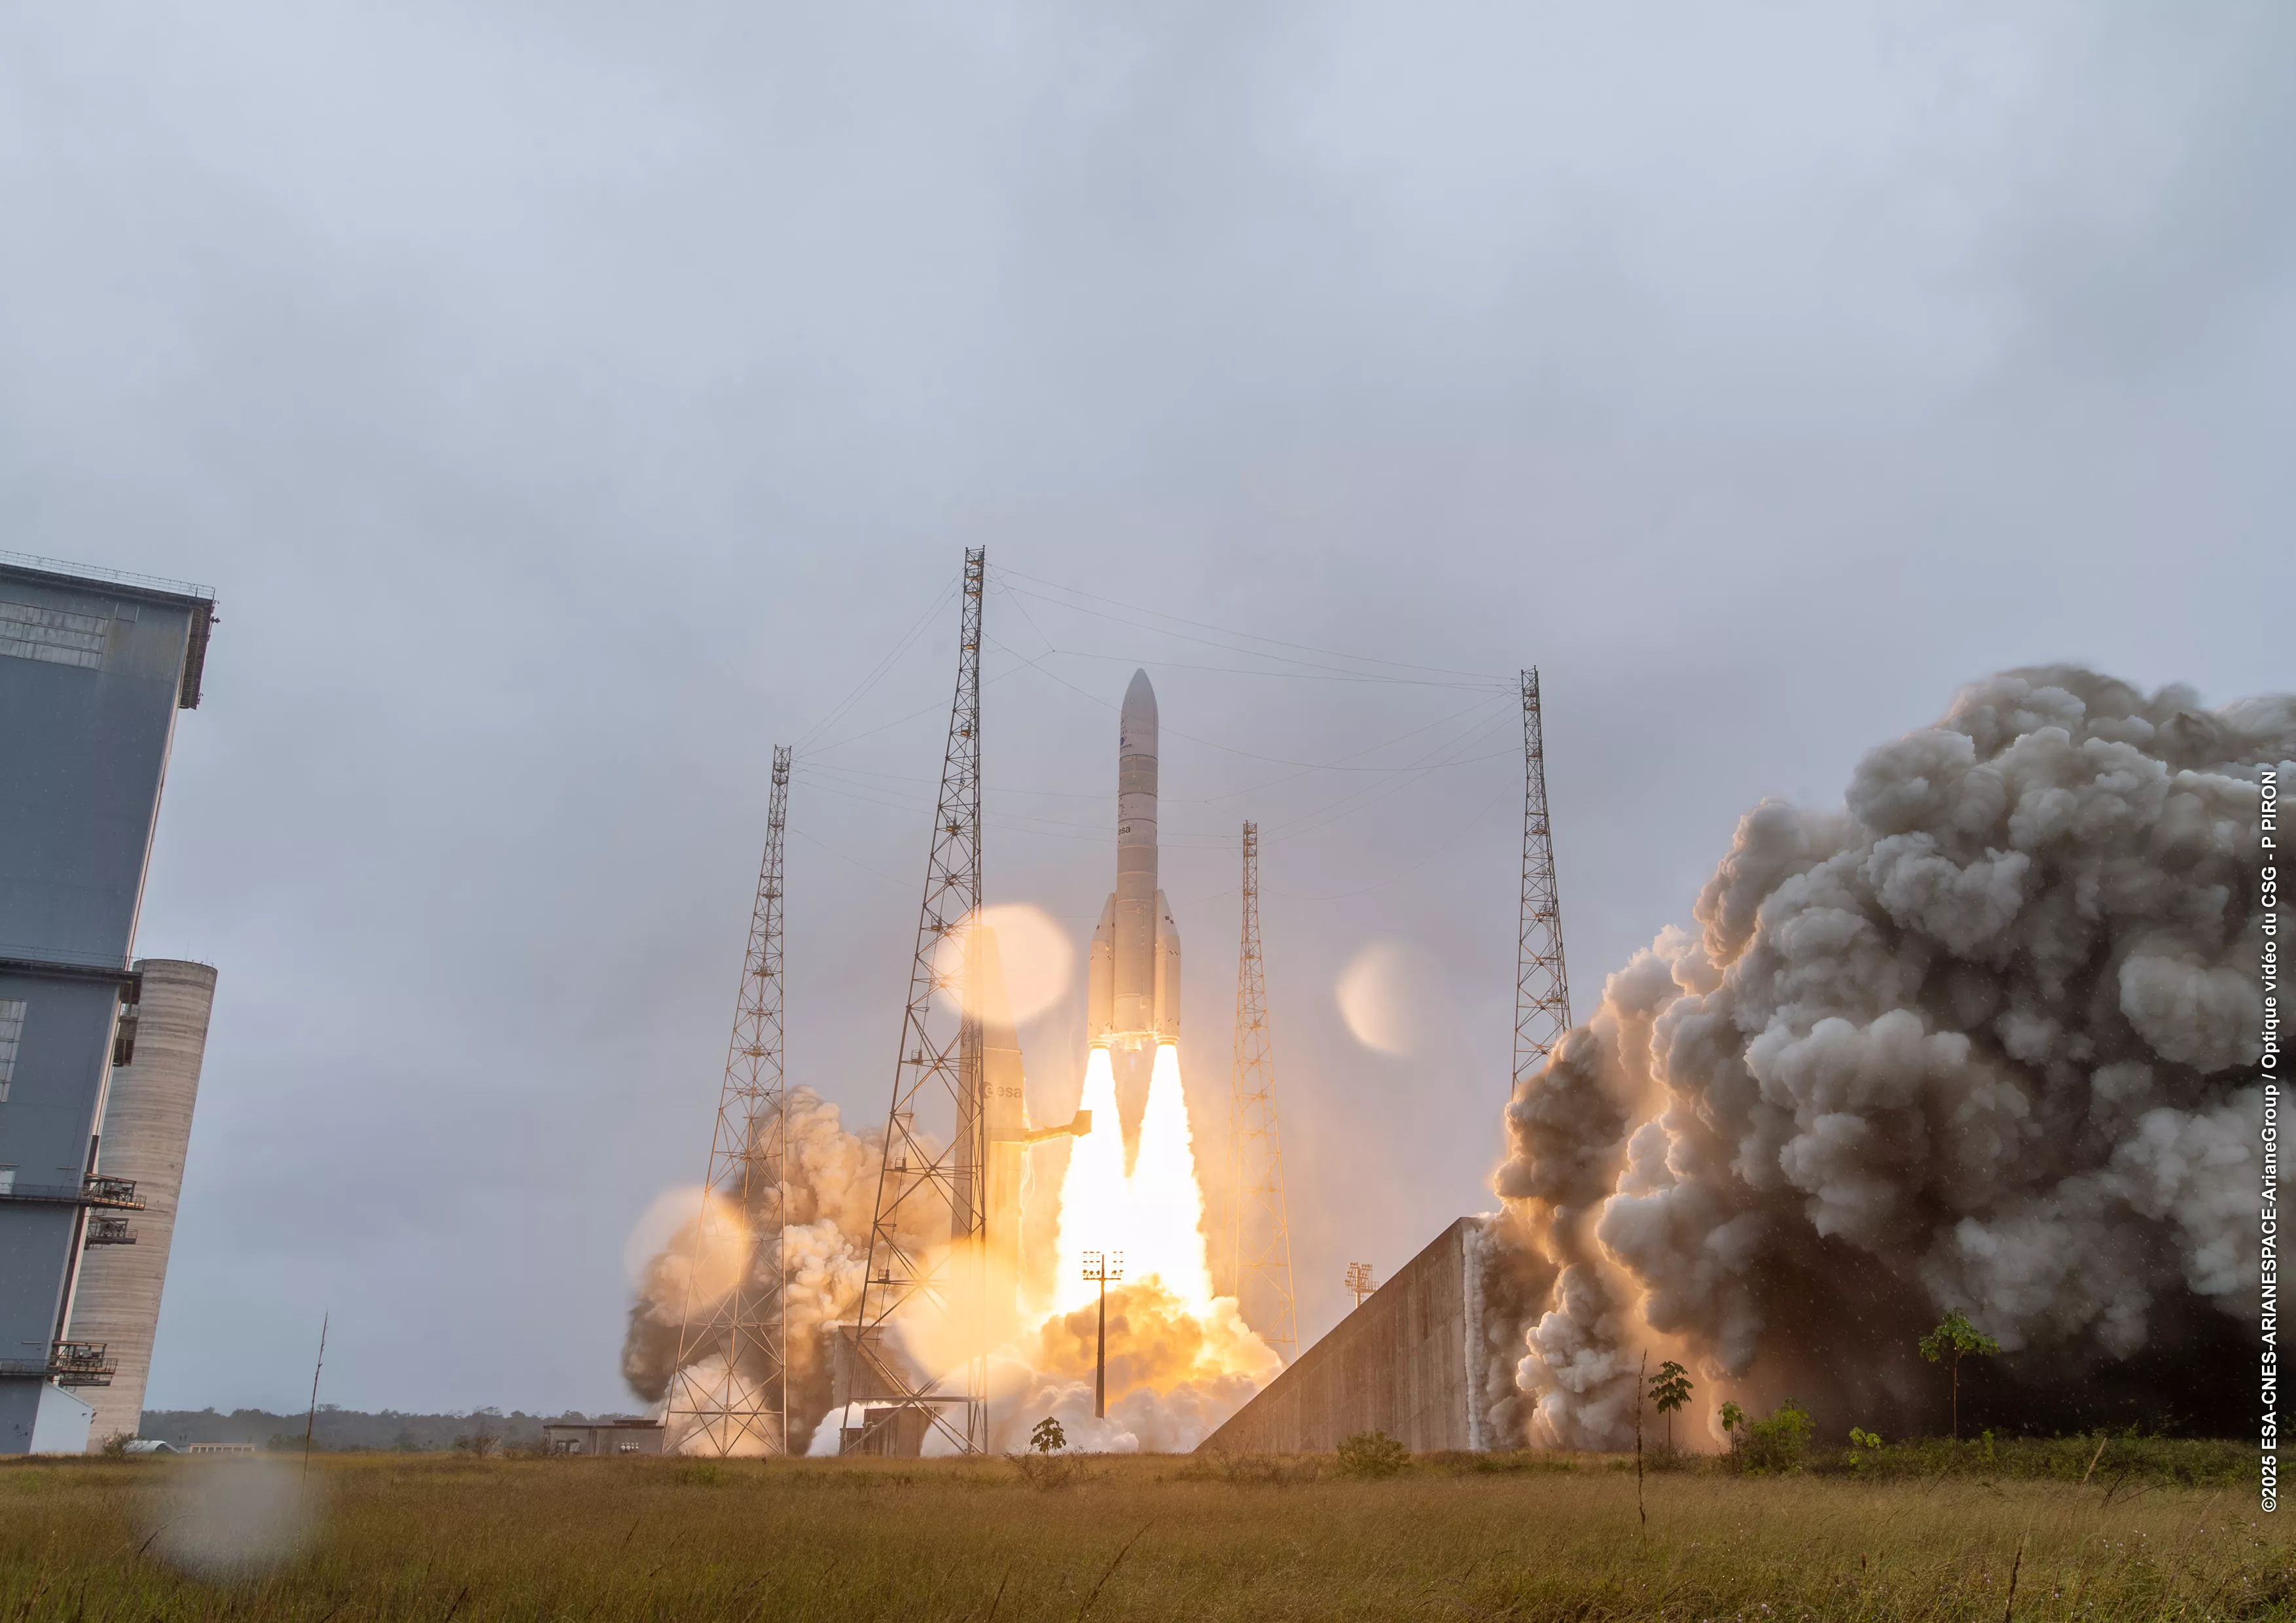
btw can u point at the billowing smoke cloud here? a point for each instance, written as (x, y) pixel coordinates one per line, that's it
(1174, 1375)
(832, 1193)
(1982, 1038)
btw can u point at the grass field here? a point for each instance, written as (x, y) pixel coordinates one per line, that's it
(440, 1537)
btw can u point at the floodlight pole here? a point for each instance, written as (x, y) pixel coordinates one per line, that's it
(1102, 1269)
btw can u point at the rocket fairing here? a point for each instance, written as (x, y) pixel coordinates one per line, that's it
(1134, 988)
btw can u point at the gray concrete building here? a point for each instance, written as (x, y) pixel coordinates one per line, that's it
(1406, 1361)
(95, 667)
(611, 1439)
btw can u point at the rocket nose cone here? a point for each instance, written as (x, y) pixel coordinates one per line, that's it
(1140, 698)
(1136, 722)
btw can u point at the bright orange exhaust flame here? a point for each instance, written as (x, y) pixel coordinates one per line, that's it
(1155, 1216)
(1167, 1241)
(1095, 1202)
(1182, 1358)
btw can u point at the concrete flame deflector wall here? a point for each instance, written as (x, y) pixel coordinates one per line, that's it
(1397, 1365)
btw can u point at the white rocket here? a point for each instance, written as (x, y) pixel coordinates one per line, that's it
(1134, 998)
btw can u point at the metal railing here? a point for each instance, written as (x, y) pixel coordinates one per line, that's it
(68, 1364)
(25, 958)
(93, 572)
(117, 1194)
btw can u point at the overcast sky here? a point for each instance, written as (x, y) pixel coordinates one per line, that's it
(569, 402)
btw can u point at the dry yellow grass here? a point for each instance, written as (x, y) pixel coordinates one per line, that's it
(430, 1537)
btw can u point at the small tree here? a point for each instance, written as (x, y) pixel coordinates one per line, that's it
(1953, 1340)
(1669, 1390)
(481, 1440)
(1734, 1423)
(1048, 1463)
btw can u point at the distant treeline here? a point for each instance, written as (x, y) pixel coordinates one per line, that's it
(352, 1430)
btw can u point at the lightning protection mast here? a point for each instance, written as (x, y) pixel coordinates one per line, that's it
(1260, 1243)
(731, 1391)
(1542, 990)
(928, 1242)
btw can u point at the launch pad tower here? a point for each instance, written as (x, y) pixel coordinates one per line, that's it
(1260, 1241)
(731, 1391)
(1542, 990)
(940, 1068)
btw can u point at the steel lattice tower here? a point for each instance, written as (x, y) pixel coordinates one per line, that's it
(1259, 1247)
(742, 1402)
(910, 1276)
(1542, 990)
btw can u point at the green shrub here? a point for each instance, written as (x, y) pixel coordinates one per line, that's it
(1042, 1468)
(1372, 1453)
(1509, 1462)
(2128, 1458)
(1781, 1440)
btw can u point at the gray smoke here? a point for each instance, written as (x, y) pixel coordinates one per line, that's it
(831, 1182)
(1982, 1038)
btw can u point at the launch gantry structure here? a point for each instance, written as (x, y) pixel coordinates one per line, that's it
(731, 1392)
(1542, 989)
(1259, 1244)
(927, 1179)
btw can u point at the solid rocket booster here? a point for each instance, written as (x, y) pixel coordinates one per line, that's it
(1134, 993)
(1003, 1102)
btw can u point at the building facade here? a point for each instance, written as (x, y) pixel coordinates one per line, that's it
(94, 669)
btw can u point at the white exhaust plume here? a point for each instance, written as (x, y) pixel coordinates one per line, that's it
(1982, 1039)
(833, 1191)
(1180, 1361)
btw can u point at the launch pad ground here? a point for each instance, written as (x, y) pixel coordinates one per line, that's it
(1516, 1536)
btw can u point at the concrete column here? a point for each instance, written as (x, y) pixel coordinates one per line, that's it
(147, 1123)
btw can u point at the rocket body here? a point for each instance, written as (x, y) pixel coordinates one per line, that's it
(1134, 986)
